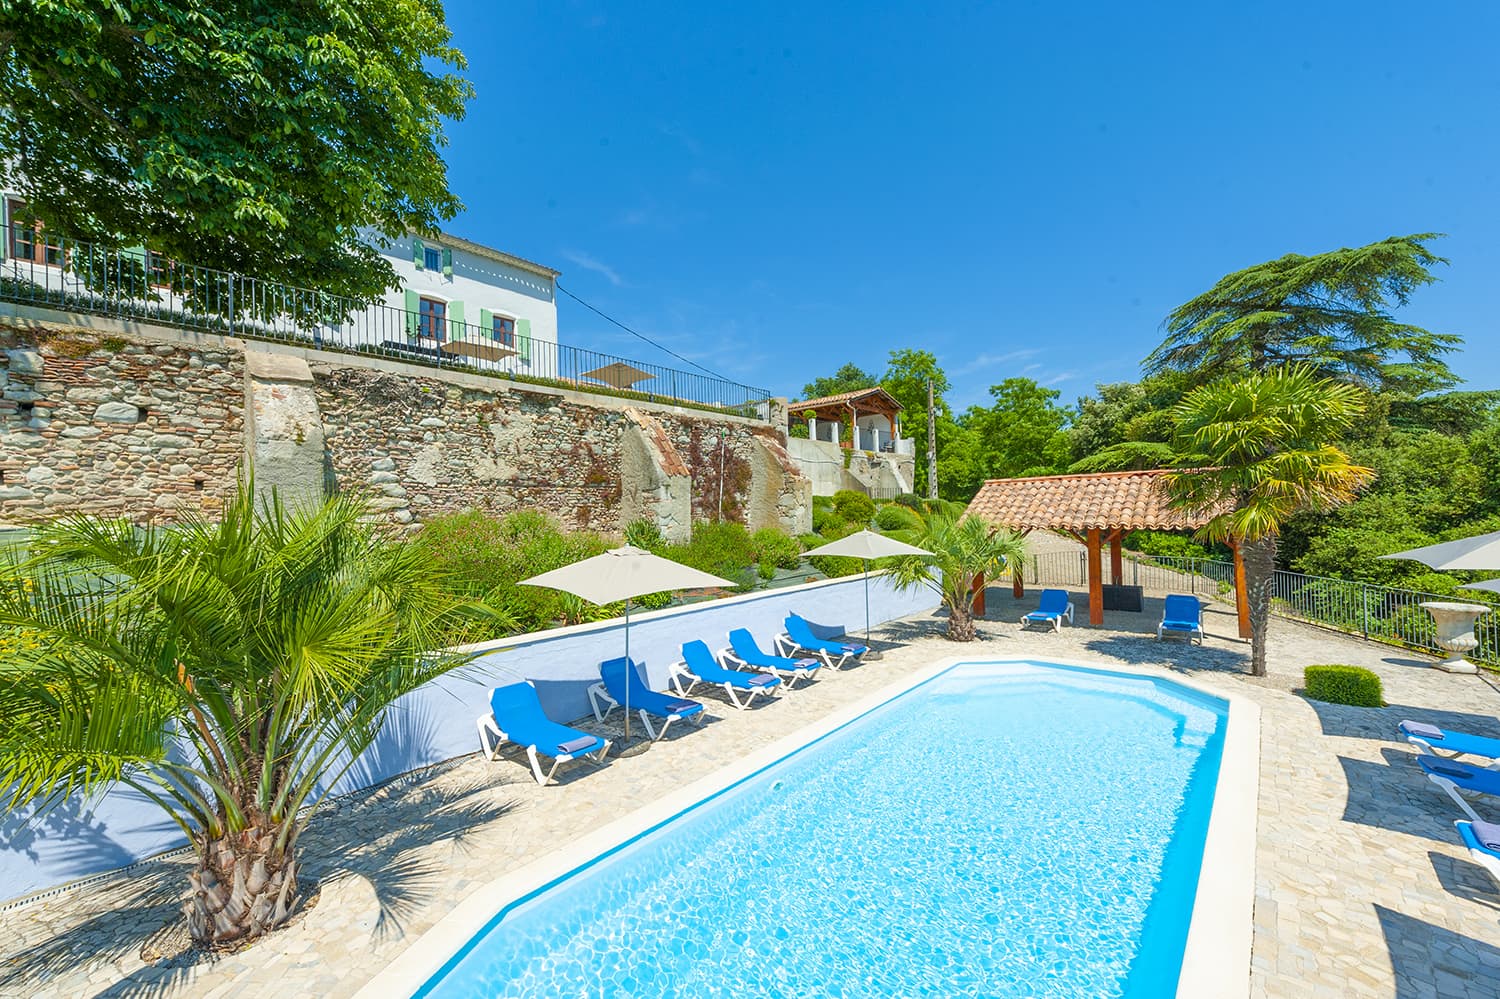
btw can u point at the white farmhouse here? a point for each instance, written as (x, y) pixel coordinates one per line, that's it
(461, 298)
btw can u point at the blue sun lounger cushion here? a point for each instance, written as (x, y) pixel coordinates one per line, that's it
(1184, 614)
(1483, 841)
(699, 666)
(1453, 777)
(799, 637)
(621, 684)
(1052, 608)
(516, 716)
(1437, 741)
(743, 650)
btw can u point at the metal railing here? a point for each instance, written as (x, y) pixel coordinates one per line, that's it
(81, 277)
(1387, 614)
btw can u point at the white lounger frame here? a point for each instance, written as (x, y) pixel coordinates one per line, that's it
(1429, 749)
(599, 694)
(681, 671)
(789, 677)
(786, 647)
(1454, 793)
(1056, 620)
(489, 727)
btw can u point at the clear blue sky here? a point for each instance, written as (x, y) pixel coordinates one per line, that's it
(774, 190)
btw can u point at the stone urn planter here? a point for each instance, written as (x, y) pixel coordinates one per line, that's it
(1455, 632)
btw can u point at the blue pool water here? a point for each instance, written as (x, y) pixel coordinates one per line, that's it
(1001, 830)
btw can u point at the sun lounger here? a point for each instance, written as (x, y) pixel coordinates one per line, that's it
(1051, 609)
(1453, 777)
(699, 666)
(1183, 614)
(799, 637)
(1441, 742)
(743, 651)
(516, 716)
(619, 675)
(1483, 841)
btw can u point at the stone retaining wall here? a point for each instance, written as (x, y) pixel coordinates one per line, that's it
(113, 426)
(147, 426)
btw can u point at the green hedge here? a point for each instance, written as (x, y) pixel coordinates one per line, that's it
(1343, 685)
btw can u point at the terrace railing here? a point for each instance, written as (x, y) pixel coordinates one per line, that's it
(80, 277)
(1387, 614)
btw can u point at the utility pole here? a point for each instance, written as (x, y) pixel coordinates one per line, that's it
(931, 445)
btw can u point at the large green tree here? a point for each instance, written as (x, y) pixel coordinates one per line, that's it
(1332, 312)
(230, 672)
(1022, 431)
(849, 378)
(906, 377)
(1256, 450)
(249, 137)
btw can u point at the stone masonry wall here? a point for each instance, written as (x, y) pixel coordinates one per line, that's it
(106, 425)
(149, 425)
(425, 447)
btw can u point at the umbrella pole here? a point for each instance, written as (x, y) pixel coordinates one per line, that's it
(867, 602)
(628, 667)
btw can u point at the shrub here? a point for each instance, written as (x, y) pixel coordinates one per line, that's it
(822, 502)
(823, 519)
(645, 534)
(777, 549)
(853, 507)
(1164, 544)
(911, 500)
(1343, 685)
(724, 549)
(894, 517)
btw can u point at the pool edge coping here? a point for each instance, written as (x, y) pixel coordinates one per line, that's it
(1220, 933)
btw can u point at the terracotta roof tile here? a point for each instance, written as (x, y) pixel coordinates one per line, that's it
(855, 396)
(1105, 500)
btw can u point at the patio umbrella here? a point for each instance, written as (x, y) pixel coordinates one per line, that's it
(619, 375)
(1482, 552)
(620, 574)
(1493, 585)
(867, 545)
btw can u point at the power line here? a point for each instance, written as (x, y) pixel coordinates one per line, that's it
(642, 336)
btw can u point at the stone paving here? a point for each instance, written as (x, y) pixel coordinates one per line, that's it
(1362, 887)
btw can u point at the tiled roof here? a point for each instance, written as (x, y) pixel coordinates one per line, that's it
(1105, 500)
(856, 396)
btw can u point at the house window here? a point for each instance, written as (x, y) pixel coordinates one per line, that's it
(432, 259)
(505, 331)
(27, 241)
(434, 318)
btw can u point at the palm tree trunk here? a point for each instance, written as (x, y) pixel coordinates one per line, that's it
(1260, 571)
(961, 611)
(241, 889)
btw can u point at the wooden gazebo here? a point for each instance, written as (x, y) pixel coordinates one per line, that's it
(1096, 509)
(845, 410)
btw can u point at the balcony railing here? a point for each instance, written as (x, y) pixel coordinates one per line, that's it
(80, 277)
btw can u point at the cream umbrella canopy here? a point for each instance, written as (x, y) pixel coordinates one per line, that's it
(620, 574)
(867, 545)
(1476, 553)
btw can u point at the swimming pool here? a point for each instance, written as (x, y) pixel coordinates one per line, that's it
(998, 829)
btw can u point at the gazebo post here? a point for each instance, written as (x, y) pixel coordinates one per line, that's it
(1096, 577)
(1116, 558)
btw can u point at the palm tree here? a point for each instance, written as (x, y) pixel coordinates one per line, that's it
(231, 672)
(963, 548)
(1255, 450)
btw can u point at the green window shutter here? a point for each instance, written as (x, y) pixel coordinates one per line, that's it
(418, 254)
(456, 330)
(487, 324)
(523, 339)
(413, 312)
(447, 262)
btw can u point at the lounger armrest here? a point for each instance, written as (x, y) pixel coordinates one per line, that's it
(599, 693)
(726, 656)
(1069, 612)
